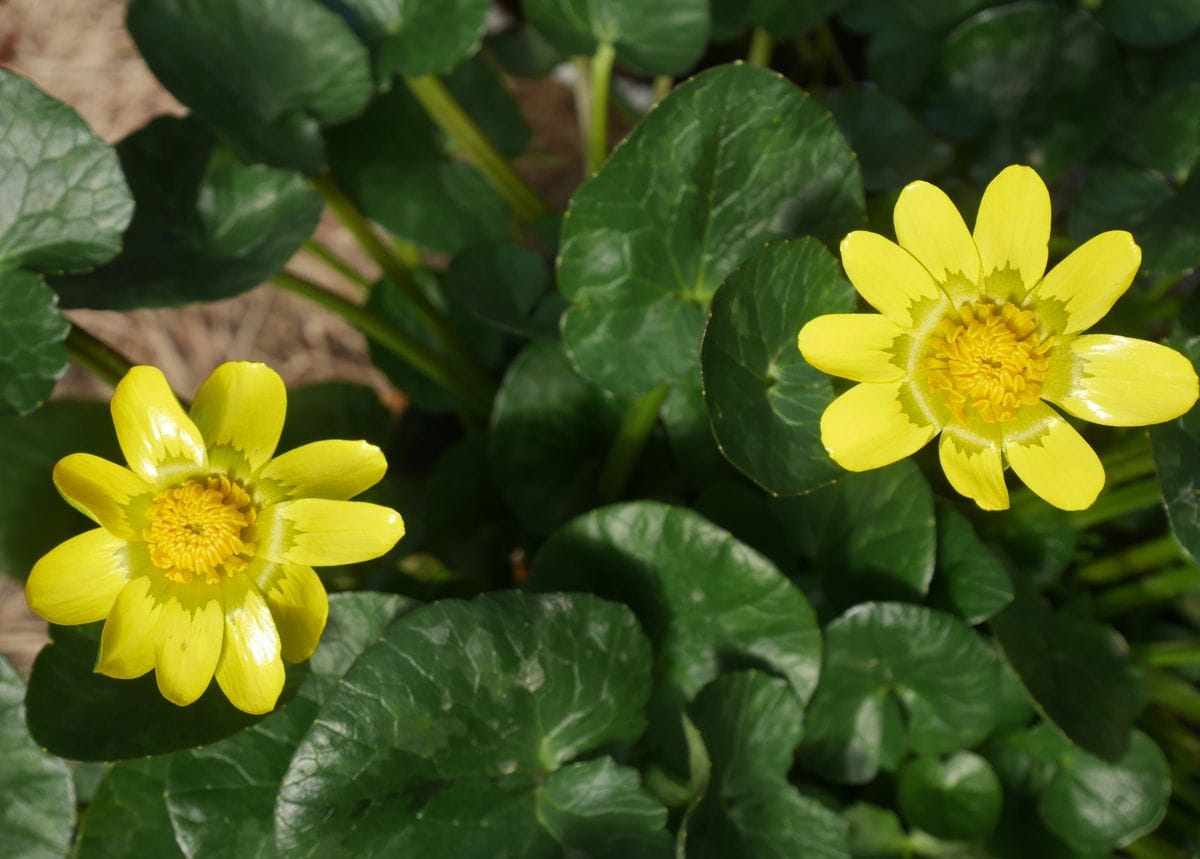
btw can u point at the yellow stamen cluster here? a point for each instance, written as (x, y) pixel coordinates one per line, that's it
(989, 358)
(198, 527)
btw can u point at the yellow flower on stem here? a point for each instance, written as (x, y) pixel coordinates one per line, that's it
(974, 339)
(202, 564)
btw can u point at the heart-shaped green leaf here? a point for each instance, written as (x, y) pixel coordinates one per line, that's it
(751, 724)
(508, 287)
(780, 18)
(415, 37)
(1150, 23)
(207, 226)
(32, 334)
(969, 580)
(128, 814)
(65, 200)
(897, 677)
(1177, 455)
(221, 798)
(764, 400)
(266, 74)
(733, 158)
(661, 39)
(38, 815)
(449, 734)
(958, 798)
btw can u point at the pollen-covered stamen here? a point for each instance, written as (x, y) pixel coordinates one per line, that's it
(989, 358)
(198, 528)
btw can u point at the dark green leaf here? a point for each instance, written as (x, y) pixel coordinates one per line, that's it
(764, 400)
(221, 798)
(958, 798)
(551, 431)
(780, 18)
(477, 86)
(128, 816)
(266, 74)
(508, 287)
(892, 146)
(206, 227)
(658, 39)
(335, 410)
(1177, 455)
(876, 833)
(599, 809)
(870, 534)
(440, 737)
(85, 716)
(1078, 672)
(703, 598)
(690, 436)
(1150, 23)
(970, 580)
(390, 162)
(1033, 81)
(900, 60)
(65, 200)
(751, 725)
(733, 158)
(37, 815)
(33, 517)
(1166, 132)
(522, 51)
(32, 331)
(1038, 538)
(897, 676)
(415, 37)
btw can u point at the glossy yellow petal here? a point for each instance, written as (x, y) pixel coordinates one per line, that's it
(1124, 382)
(189, 639)
(159, 440)
(298, 604)
(318, 532)
(887, 276)
(127, 642)
(1012, 230)
(869, 427)
(101, 490)
(332, 469)
(1086, 284)
(78, 581)
(974, 467)
(1053, 460)
(240, 408)
(854, 346)
(929, 226)
(250, 671)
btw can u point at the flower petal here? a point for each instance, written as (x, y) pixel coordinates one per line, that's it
(320, 533)
(887, 276)
(324, 469)
(78, 581)
(239, 410)
(852, 345)
(1012, 230)
(974, 467)
(1089, 281)
(101, 490)
(1124, 382)
(869, 427)
(127, 642)
(1053, 460)
(188, 642)
(929, 226)
(298, 604)
(250, 671)
(159, 440)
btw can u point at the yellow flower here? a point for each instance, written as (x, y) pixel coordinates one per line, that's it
(972, 341)
(203, 561)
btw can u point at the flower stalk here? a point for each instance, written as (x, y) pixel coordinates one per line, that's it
(96, 357)
(631, 437)
(337, 263)
(762, 45)
(1148, 591)
(599, 84)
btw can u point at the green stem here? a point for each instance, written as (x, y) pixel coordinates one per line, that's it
(97, 357)
(1138, 559)
(478, 149)
(387, 335)
(1131, 459)
(1183, 789)
(1159, 289)
(762, 45)
(1183, 749)
(631, 437)
(1169, 654)
(600, 81)
(1061, 245)
(1118, 502)
(829, 47)
(1174, 694)
(401, 278)
(1153, 847)
(1148, 590)
(339, 264)
(662, 86)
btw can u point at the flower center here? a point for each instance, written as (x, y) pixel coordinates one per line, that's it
(198, 528)
(988, 358)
